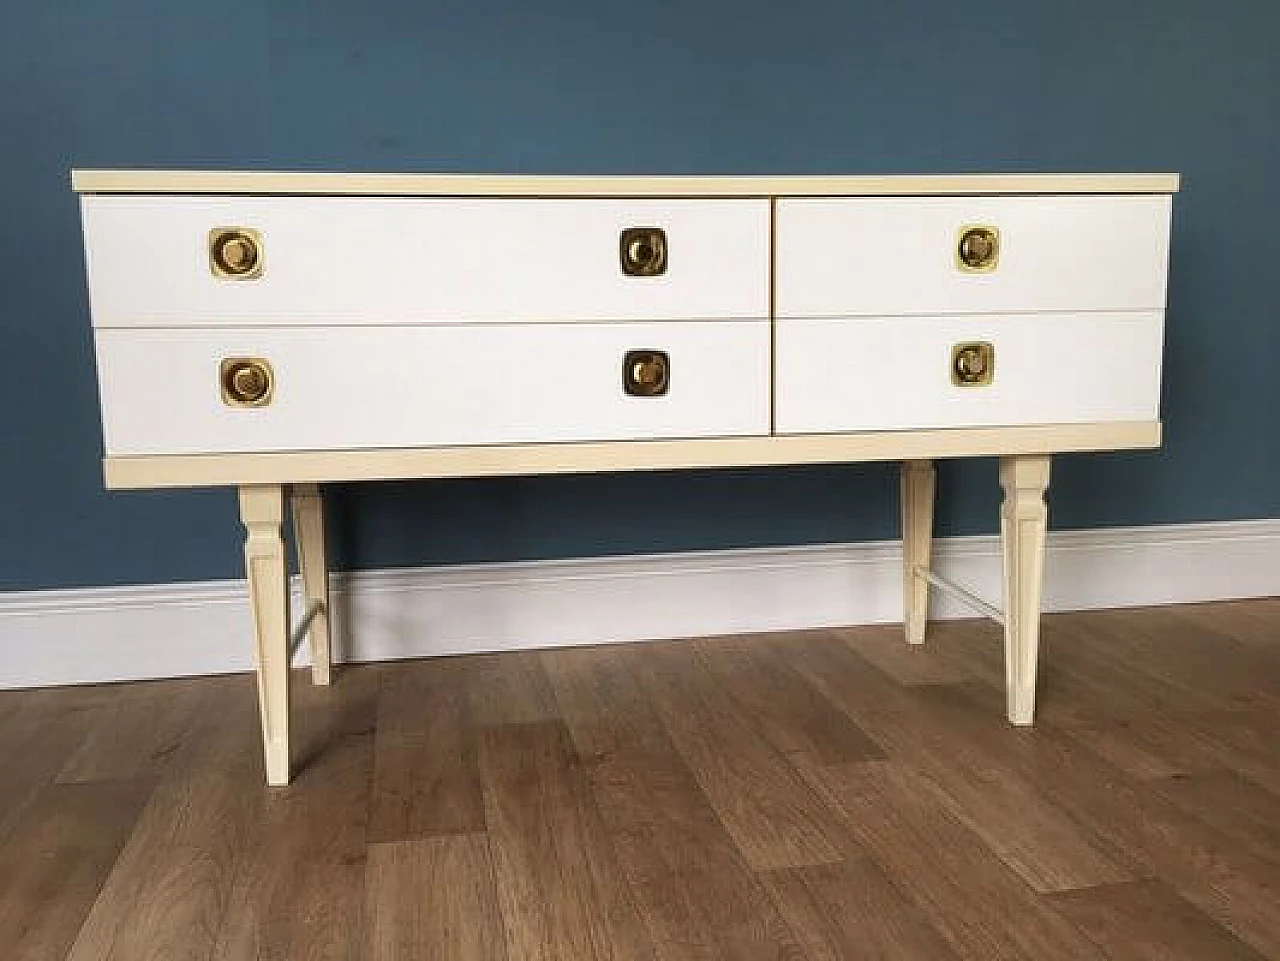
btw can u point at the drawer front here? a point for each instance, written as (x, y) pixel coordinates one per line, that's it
(349, 261)
(896, 373)
(351, 388)
(880, 256)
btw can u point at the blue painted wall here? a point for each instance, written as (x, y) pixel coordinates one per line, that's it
(622, 87)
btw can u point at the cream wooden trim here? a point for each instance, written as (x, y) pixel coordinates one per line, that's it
(212, 470)
(476, 185)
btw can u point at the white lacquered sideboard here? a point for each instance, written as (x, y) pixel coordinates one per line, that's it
(278, 331)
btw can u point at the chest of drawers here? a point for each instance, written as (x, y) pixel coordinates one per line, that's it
(277, 331)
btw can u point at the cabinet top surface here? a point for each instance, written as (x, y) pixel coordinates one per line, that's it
(500, 185)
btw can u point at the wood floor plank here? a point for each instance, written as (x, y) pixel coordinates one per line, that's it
(510, 688)
(298, 892)
(786, 710)
(1254, 622)
(1087, 667)
(945, 739)
(432, 898)
(976, 645)
(1143, 744)
(1018, 819)
(169, 890)
(884, 646)
(41, 731)
(425, 776)
(1232, 804)
(146, 725)
(55, 861)
(980, 906)
(424, 785)
(1138, 723)
(1114, 655)
(1147, 921)
(1224, 879)
(696, 894)
(775, 819)
(1078, 692)
(326, 713)
(852, 911)
(1150, 834)
(1201, 660)
(1244, 741)
(561, 893)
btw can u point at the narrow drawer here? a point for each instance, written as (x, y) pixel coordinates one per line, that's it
(169, 261)
(902, 255)
(182, 391)
(896, 373)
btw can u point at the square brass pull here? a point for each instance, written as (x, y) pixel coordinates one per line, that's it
(246, 381)
(235, 253)
(643, 251)
(973, 364)
(646, 373)
(978, 249)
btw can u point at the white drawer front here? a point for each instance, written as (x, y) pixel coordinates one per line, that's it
(348, 388)
(894, 373)
(879, 256)
(347, 261)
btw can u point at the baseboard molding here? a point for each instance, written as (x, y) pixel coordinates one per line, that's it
(167, 630)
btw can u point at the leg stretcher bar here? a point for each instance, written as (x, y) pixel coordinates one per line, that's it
(299, 633)
(960, 594)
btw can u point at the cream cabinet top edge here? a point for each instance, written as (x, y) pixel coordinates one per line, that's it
(495, 185)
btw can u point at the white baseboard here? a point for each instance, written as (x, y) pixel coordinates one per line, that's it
(166, 630)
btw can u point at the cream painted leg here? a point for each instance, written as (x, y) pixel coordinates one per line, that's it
(308, 531)
(262, 513)
(1023, 522)
(918, 483)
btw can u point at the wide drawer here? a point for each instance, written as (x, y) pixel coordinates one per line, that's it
(898, 373)
(370, 260)
(164, 391)
(902, 255)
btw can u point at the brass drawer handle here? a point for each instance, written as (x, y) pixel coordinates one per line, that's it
(978, 249)
(973, 365)
(235, 253)
(646, 373)
(643, 251)
(246, 381)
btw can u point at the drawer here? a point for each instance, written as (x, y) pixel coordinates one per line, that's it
(347, 261)
(365, 387)
(900, 255)
(895, 373)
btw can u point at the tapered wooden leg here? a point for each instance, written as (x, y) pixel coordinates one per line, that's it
(1023, 523)
(308, 532)
(918, 483)
(262, 513)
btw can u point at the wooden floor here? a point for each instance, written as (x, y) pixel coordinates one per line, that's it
(817, 795)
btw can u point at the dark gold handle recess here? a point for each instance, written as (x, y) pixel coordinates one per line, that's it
(235, 253)
(978, 250)
(643, 251)
(973, 364)
(646, 373)
(246, 381)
